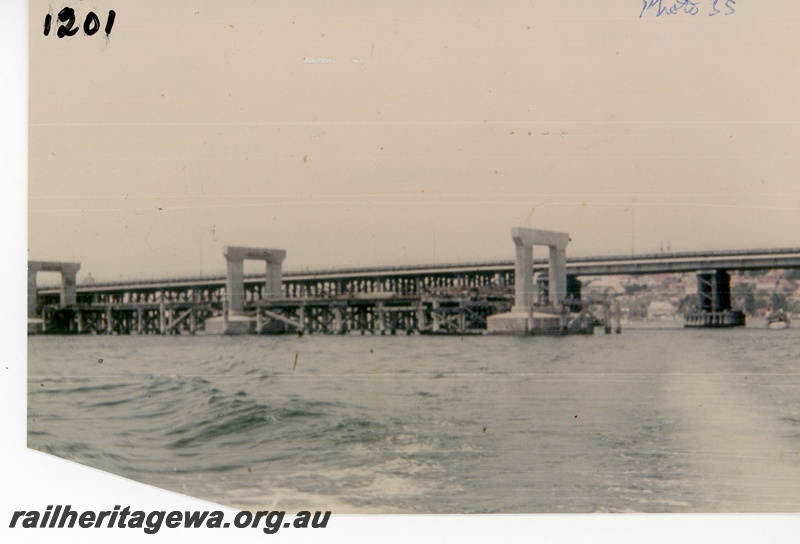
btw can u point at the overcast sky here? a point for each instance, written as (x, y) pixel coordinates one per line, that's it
(376, 133)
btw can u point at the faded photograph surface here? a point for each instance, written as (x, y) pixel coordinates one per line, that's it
(452, 257)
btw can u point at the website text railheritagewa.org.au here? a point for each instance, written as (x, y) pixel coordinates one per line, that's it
(64, 517)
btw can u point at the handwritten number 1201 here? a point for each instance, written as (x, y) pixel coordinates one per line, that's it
(91, 23)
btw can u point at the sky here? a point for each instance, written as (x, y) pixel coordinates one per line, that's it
(386, 133)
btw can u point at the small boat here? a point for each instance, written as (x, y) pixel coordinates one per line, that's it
(777, 319)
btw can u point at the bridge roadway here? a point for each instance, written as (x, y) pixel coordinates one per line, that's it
(660, 263)
(426, 278)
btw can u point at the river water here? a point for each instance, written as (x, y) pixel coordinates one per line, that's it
(652, 420)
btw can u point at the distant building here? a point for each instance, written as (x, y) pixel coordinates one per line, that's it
(661, 310)
(605, 284)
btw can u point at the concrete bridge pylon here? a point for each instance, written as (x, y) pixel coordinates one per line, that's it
(234, 286)
(522, 319)
(524, 240)
(69, 273)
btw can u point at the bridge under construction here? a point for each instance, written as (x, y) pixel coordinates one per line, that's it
(436, 299)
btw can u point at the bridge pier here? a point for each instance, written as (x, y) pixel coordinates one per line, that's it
(233, 321)
(68, 294)
(235, 257)
(714, 302)
(523, 319)
(556, 242)
(68, 271)
(574, 292)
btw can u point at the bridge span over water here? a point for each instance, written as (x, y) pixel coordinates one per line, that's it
(436, 298)
(418, 279)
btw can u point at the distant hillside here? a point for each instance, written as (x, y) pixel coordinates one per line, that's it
(755, 292)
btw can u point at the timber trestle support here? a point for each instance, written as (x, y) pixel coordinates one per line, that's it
(383, 314)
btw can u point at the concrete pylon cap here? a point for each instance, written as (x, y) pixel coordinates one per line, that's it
(538, 237)
(54, 266)
(241, 253)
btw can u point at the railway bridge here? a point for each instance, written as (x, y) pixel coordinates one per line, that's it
(436, 298)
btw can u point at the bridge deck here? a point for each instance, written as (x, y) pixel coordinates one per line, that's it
(579, 266)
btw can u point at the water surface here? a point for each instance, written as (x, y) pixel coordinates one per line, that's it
(653, 420)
